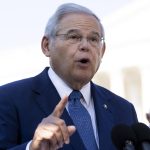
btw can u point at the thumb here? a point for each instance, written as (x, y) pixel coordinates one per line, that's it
(71, 129)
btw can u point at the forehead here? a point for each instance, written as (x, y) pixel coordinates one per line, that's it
(80, 21)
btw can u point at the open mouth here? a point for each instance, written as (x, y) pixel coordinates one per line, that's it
(84, 61)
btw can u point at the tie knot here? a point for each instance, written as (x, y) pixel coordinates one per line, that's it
(75, 95)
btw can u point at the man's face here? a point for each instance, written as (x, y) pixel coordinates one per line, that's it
(75, 57)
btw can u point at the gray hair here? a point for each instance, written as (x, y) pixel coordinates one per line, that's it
(53, 22)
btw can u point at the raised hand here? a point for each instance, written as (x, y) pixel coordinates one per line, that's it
(52, 133)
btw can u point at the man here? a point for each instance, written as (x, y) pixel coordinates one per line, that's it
(35, 113)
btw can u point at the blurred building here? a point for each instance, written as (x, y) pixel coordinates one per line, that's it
(126, 65)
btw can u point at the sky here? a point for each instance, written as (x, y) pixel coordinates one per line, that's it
(22, 22)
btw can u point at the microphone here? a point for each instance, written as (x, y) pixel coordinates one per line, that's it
(142, 132)
(123, 137)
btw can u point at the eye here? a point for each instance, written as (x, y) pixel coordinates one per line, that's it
(94, 39)
(74, 37)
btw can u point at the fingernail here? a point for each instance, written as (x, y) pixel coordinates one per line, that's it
(67, 141)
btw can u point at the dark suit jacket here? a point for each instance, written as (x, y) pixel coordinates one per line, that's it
(24, 103)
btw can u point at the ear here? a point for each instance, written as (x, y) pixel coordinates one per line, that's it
(45, 46)
(103, 49)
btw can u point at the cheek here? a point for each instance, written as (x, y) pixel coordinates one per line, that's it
(97, 59)
(97, 56)
(61, 56)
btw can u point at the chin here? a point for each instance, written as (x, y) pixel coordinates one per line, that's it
(84, 79)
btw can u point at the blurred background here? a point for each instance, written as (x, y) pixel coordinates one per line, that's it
(125, 68)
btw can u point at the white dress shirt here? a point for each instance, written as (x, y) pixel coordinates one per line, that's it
(64, 90)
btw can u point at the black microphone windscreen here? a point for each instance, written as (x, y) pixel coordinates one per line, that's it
(142, 132)
(122, 133)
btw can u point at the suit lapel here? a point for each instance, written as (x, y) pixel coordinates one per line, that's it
(104, 117)
(47, 98)
(46, 94)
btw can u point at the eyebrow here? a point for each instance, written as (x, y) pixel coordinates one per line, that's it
(78, 31)
(73, 30)
(96, 33)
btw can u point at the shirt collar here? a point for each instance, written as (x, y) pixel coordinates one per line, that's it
(63, 89)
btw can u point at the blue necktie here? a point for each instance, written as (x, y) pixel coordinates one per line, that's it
(82, 120)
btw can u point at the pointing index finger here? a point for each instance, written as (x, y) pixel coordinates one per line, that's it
(60, 107)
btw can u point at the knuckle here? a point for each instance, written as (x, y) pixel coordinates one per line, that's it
(57, 129)
(52, 135)
(61, 122)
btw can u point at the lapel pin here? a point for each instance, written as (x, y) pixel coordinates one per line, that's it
(105, 106)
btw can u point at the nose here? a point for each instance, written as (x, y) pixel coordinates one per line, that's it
(84, 44)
